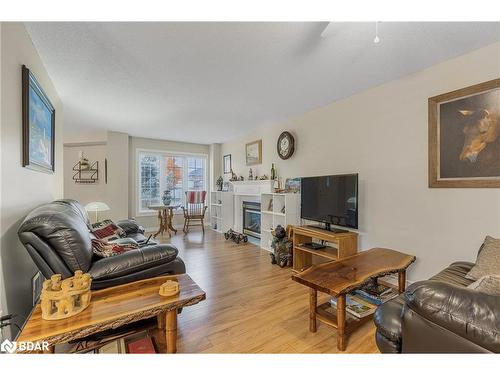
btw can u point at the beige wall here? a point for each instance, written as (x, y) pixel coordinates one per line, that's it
(115, 192)
(22, 188)
(150, 221)
(117, 189)
(382, 134)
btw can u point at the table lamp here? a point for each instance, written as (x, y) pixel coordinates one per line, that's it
(97, 207)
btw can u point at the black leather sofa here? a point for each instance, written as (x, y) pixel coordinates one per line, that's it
(440, 315)
(58, 239)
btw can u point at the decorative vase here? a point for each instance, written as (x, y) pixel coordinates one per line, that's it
(167, 197)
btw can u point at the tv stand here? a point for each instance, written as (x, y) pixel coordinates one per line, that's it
(340, 245)
(329, 228)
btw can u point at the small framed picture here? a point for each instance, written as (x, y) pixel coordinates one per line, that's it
(225, 186)
(253, 151)
(227, 163)
(292, 185)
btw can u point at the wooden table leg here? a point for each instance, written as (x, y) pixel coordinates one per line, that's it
(171, 331)
(402, 281)
(341, 322)
(313, 300)
(166, 224)
(160, 222)
(170, 220)
(161, 321)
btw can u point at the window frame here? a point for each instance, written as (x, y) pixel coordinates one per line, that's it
(164, 153)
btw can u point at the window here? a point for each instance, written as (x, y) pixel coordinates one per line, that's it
(164, 171)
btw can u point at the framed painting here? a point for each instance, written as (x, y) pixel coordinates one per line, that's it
(227, 163)
(464, 137)
(253, 152)
(38, 115)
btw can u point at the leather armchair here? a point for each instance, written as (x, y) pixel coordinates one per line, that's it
(440, 315)
(58, 239)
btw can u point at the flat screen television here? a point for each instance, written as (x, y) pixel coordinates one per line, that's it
(332, 200)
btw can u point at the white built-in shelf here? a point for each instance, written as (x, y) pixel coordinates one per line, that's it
(273, 218)
(221, 214)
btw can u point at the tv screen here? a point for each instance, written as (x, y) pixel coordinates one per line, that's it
(331, 199)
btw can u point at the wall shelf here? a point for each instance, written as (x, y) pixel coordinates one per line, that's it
(86, 174)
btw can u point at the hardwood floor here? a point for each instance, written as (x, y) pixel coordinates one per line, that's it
(251, 306)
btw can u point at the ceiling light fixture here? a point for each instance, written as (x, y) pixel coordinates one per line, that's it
(377, 39)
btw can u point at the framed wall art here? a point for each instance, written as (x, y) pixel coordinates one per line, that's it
(464, 137)
(38, 117)
(253, 152)
(227, 163)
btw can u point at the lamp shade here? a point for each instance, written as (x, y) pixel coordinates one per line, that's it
(97, 207)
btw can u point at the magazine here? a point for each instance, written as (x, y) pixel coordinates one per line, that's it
(356, 306)
(377, 300)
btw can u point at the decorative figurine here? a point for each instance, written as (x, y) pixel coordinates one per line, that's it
(64, 298)
(282, 247)
(169, 288)
(235, 236)
(250, 174)
(233, 176)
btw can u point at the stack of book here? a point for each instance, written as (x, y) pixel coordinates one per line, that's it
(376, 294)
(363, 302)
(356, 306)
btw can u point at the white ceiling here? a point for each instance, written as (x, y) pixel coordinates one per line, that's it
(210, 82)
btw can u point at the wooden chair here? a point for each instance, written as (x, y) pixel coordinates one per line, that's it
(194, 210)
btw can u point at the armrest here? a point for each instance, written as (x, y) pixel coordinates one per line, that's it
(130, 226)
(465, 312)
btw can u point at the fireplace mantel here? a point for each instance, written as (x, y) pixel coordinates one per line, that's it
(252, 188)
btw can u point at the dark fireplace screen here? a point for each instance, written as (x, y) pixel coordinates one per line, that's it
(251, 219)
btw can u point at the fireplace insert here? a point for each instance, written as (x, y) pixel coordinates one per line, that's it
(251, 219)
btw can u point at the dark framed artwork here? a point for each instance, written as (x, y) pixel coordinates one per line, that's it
(464, 137)
(227, 163)
(38, 125)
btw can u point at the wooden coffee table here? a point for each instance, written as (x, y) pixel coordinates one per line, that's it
(117, 306)
(341, 277)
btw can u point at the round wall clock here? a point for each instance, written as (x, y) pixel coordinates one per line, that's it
(285, 145)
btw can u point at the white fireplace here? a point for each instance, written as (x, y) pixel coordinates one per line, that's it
(250, 192)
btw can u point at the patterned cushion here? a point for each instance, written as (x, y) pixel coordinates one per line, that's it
(105, 249)
(107, 230)
(489, 284)
(488, 260)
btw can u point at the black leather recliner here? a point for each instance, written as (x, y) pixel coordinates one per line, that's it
(440, 315)
(58, 239)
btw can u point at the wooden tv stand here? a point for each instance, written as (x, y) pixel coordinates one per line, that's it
(345, 244)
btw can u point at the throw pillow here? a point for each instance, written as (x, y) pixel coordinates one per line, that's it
(488, 260)
(107, 230)
(105, 249)
(489, 284)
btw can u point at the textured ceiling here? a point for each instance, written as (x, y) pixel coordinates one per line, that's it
(210, 82)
